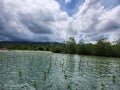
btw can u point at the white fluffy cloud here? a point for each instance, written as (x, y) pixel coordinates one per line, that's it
(67, 1)
(95, 22)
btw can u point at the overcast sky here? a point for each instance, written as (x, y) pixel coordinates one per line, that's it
(57, 20)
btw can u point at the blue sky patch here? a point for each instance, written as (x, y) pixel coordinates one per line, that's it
(72, 7)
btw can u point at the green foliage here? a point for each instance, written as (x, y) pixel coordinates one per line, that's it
(102, 86)
(45, 75)
(20, 73)
(35, 84)
(69, 86)
(101, 48)
(113, 78)
(65, 76)
(57, 49)
(49, 66)
(71, 46)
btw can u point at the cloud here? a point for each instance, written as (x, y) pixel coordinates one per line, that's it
(43, 20)
(94, 21)
(67, 1)
(33, 20)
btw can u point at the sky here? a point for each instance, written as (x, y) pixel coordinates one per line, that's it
(57, 20)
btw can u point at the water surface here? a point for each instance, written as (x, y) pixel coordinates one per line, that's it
(48, 71)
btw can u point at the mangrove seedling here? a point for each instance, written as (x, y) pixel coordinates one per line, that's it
(20, 73)
(113, 78)
(65, 76)
(35, 84)
(30, 63)
(69, 86)
(102, 86)
(45, 75)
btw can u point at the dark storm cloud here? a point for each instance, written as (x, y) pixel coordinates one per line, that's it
(32, 20)
(112, 26)
(38, 27)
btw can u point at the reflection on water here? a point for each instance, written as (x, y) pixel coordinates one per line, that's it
(48, 71)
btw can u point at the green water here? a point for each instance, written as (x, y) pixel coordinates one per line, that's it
(48, 71)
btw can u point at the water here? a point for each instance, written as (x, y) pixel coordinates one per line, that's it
(48, 71)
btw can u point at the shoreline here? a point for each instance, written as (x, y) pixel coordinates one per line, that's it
(22, 51)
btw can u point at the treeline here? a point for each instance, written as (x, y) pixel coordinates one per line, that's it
(35, 46)
(101, 48)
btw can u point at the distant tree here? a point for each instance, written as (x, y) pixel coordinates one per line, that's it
(57, 49)
(116, 48)
(118, 41)
(104, 48)
(81, 47)
(82, 41)
(71, 46)
(100, 46)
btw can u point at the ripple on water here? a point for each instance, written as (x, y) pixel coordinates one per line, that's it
(12, 86)
(48, 71)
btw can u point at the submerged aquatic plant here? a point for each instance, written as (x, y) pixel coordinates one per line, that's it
(102, 86)
(49, 67)
(62, 64)
(30, 63)
(65, 76)
(69, 86)
(35, 84)
(113, 78)
(20, 73)
(45, 74)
